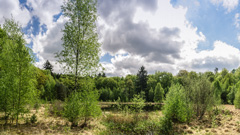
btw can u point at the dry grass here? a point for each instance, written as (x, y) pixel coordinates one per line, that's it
(226, 123)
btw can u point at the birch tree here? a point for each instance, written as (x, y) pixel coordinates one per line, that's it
(80, 54)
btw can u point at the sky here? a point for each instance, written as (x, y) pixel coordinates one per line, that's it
(161, 35)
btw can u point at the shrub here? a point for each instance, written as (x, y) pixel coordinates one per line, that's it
(137, 103)
(202, 96)
(176, 107)
(159, 92)
(166, 126)
(82, 105)
(237, 99)
(56, 108)
(33, 118)
(72, 108)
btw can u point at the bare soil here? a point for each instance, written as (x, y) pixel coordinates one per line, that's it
(226, 123)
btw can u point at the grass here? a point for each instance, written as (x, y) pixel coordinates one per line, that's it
(225, 121)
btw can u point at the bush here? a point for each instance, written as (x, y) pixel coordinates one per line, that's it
(159, 92)
(82, 105)
(72, 108)
(33, 118)
(237, 99)
(166, 126)
(137, 103)
(176, 107)
(200, 94)
(56, 108)
(129, 124)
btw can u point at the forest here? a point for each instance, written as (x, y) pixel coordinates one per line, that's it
(84, 100)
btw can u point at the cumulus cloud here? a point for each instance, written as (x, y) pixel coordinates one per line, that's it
(12, 7)
(46, 45)
(138, 32)
(221, 56)
(45, 9)
(147, 39)
(227, 4)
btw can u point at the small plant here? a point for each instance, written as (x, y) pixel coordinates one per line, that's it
(33, 118)
(36, 106)
(56, 108)
(66, 129)
(137, 104)
(166, 126)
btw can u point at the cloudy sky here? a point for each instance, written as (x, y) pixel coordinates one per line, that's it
(162, 35)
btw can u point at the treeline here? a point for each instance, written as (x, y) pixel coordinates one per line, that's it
(152, 88)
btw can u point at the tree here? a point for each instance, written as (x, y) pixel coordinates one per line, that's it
(151, 95)
(201, 95)
(216, 70)
(141, 81)
(48, 66)
(158, 93)
(5, 75)
(176, 107)
(81, 49)
(237, 99)
(18, 69)
(80, 54)
(217, 91)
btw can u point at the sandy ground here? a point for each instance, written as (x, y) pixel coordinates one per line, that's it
(226, 123)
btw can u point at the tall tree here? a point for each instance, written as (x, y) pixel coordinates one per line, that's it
(141, 81)
(158, 93)
(48, 66)
(18, 67)
(80, 54)
(81, 49)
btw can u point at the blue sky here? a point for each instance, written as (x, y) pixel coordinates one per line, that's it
(164, 35)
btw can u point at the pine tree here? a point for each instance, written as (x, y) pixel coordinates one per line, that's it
(158, 93)
(48, 66)
(141, 81)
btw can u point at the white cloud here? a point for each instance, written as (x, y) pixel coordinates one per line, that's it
(49, 43)
(12, 7)
(227, 4)
(45, 9)
(221, 56)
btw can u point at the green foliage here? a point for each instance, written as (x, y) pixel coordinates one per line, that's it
(137, 103)
(216, 86)
(237, 99)
(33, 118)
(201, 95)
(61, 91)
(49, 88)
(82, 105)
(158, 93)
(166, 126)
(48, 66)
(80, 54)
(231, 94)
(176, 107)
(56, 108)
(17, 78)
(151, 95)
(141, 81)
(72, 108)
(130, 124)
